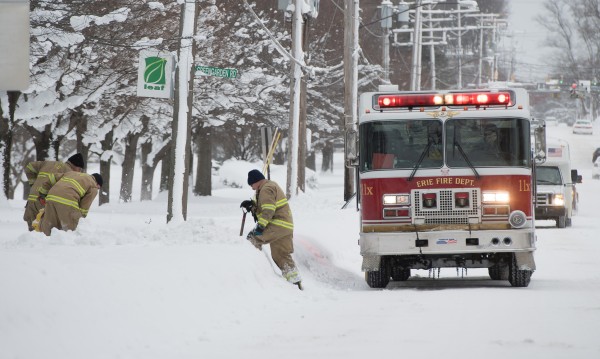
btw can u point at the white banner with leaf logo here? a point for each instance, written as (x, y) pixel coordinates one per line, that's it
(155, 74)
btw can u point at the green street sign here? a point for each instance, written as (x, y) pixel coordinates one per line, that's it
(217, 72)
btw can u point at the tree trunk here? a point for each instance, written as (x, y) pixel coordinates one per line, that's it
(13, 97)
(203, 186)
(147, 172)
(311, 161)
(128, 166)
(165, 169)
(327, 164)
(107, 145)
(279, 156)
(80, 130)
(148, 168)
(55, 144)
(42, 141)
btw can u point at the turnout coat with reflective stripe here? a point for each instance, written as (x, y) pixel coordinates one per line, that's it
(40, 172)
(273, 212)
(67, 201)
(75, 190)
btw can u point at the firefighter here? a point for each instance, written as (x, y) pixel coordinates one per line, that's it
(69, 200)
(40, 172)
(274, 224)
(491, 150)
(434, 139)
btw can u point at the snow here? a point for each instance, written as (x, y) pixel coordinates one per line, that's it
(79, 23)
(128, 285)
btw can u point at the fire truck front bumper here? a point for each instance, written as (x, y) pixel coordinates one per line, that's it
(446, 244)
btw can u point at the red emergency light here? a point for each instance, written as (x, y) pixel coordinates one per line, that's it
(461, 199)
(485, 99)
(429, 200)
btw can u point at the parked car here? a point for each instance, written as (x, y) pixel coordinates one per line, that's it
(596, 169)
(596, 154)
(583, 126)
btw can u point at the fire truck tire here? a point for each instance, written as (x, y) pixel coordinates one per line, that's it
(380, 278)
(400, 274)
(561, 222)
(518, 277)
(498, 272)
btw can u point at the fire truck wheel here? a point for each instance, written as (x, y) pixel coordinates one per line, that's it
(561, 222)
(400, 274)
(498, 272)
(377, 279)
(518, 277)
(380, 278)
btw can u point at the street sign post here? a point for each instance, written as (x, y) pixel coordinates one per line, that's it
(216, 71)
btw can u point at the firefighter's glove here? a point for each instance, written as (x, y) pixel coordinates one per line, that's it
(258, 231)
(252, 239)
(248, 205)
(42, 200)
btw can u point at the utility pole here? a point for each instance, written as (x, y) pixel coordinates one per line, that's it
(432, 49)
(295, 90)
(386, 24)
(486, 21)
(480, 50)
(459, 49)
(493, 72)
(415, 79)
(297, 142)
(182, 113)
(303, 114)
(351, 8)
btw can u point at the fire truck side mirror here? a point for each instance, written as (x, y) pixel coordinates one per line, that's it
(351, 148)
(539, 136)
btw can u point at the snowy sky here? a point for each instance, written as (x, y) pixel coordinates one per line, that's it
(528, 39)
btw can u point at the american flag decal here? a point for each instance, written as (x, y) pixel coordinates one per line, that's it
(446, 241)
(555, 152)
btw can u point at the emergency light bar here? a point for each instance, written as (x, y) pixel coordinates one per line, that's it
(447, 99)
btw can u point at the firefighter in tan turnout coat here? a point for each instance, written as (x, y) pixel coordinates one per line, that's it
(40, 172)
(69, 200)
(274, 226)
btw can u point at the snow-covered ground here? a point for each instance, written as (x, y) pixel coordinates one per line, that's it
(127, 285)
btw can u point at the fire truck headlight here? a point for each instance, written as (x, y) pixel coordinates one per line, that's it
(403, 199)
(558, 200)
(496, 197)
(517, 219)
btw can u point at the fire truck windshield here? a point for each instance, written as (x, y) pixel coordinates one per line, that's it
(429, 143)
(487, 142)
(401, 143)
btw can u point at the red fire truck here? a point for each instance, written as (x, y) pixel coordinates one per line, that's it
(445, 180)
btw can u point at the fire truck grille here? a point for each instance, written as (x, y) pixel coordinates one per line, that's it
(543, 198)
(446, 212)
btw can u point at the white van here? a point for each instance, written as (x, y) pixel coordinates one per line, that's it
(556, 195)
